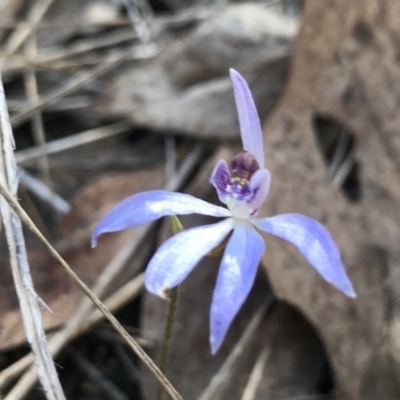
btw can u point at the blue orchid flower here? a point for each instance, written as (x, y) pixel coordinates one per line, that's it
(243, 187)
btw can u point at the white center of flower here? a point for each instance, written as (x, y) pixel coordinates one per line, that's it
(240, 209)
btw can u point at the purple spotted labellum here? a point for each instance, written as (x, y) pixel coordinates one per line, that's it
(242, 187)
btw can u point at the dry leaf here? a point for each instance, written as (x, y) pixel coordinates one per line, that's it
(345, 68)
(189, 79)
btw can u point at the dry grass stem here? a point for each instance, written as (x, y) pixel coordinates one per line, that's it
(83, 46)
(47, 195)
(31, 88)
(117, 300)
(76, 82)
(256, 375)
(28, 299)
(339, 153)
(69, 103)
(343, 171)
(139, 24)
(185, 16)
(63, 24)
(79, 139)
(22, 32)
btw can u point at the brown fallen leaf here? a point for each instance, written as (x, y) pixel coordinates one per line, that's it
(189, 78)
(345, 69)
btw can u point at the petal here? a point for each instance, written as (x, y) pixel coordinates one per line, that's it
(314, 242)
(179, 255)
(145, 207)
(259, 186)
(235, 279)
(250, 127)
(220, 179)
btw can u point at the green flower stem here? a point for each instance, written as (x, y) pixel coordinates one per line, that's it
(167, 341)
(177, 227)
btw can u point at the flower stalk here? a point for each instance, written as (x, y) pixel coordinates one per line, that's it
(168, 336)
(172, 297)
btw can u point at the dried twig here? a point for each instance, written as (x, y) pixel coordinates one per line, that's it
(42, 191)
(8, 23)
(117, 300)
(343, 172)
(28, 299)
(184, 17)
(22, 32)
(61, 52)
(139, 24)
(256, 376)
(31, 88)
(79, 139)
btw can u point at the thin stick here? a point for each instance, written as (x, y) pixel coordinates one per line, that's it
(139, 24)
(42, 191)
(27, 297)
(8, 23)
(340, 152)
(122, 296)
(344, 170)
(79, 139)
(256, 375)
(22, 32)
(86, 45)
(32, 92)
(184, 17)
(130, 341)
